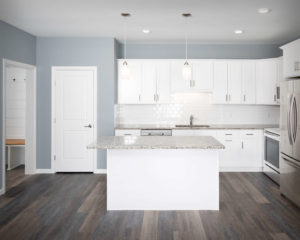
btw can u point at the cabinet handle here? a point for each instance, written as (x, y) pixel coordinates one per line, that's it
(228, 140)
(249, 134)
(226, 98)
(154, 97)
(127, 134)
(244, 98)
(139, 97)
(242, 145)
(157, 97)
(275, 97)
(228, 134)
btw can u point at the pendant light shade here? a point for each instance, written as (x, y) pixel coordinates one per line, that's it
(187, 71)
(125, 70)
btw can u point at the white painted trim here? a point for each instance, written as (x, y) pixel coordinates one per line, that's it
(240, 169)
(31, 148)
(46, 171)
(53, 110)
(100, 171)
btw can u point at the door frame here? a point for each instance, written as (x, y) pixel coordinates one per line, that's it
(53, 109)
(30, 116)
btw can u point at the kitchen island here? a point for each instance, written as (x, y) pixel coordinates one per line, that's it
(161, 173)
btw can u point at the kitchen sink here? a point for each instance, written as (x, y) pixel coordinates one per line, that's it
(192, 126)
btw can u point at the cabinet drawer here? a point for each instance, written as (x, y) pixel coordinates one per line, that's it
(125, 132)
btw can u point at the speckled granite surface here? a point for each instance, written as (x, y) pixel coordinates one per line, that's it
(213, 126)
(156, 142)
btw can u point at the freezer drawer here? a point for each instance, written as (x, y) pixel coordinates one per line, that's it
(290, 178)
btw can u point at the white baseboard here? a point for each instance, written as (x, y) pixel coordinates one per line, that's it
(240, 169)
(42, 171)
(1, 191)
(100, 171)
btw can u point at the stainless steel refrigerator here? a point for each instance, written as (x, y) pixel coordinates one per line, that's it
(290, 139)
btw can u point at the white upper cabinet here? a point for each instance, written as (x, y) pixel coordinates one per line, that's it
(248, 82)
(291, 56)
(163, 81)
(234, 82)
(230, 81)
(148, 82)
(220, 82)
(266, 81)
(202, 76)
(129, 90)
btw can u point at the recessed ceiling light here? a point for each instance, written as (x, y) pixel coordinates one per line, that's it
(146, 31)
(263, 10)
(238, 31)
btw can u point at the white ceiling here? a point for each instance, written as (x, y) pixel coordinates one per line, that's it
(213, 21)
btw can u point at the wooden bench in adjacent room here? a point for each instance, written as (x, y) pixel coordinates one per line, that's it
(9, 143)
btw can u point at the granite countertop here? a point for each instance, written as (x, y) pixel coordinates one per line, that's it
(156, 142)
(213, 126)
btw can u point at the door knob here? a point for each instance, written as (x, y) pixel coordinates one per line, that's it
(88, 126)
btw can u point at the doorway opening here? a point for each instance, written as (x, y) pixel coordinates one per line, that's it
(19, 122)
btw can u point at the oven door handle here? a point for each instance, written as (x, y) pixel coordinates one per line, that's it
(291, 163)
(295, 120)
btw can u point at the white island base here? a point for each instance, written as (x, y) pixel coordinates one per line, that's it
(162, 179)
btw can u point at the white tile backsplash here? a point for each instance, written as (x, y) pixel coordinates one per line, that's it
(200, 106)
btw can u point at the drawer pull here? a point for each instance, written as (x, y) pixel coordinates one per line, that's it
(249, 134)
(228, 134)
(228, 140)
(127, 134)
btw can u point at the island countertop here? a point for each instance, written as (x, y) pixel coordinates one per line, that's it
(156, 142)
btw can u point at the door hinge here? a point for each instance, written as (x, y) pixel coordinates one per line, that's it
(54, 157)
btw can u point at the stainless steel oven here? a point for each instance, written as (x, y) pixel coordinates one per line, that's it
(271, 158)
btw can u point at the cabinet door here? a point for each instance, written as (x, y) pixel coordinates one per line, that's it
(220, 82)
(248, 82)
(178, 84)
(202, 74)
(127, 132)
(129, 90)
(231, 155)
(266, 78)
(149, 77)
(251, 153)
(291, 56)
(163, 81)
(234, 82)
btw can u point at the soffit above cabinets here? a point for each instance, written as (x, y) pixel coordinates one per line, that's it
(213, 21)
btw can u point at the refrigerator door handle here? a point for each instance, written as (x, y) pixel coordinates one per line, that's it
(295, 119)
(289, 122)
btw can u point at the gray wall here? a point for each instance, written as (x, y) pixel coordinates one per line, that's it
(98, 52)
(216, 51)
(18, 46)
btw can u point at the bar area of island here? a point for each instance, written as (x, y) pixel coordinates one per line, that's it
(161, 172)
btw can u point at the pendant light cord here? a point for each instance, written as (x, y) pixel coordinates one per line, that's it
(125, 38)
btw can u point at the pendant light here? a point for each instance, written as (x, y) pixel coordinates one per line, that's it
(186, 70)
(125, 71)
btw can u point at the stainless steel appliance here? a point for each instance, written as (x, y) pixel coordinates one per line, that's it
(271, 160)
(156, 132)
(290, 140)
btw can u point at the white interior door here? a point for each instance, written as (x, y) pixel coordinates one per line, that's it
(75, 118)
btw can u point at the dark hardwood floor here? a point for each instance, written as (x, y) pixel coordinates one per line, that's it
(15, 176)
(73, 206)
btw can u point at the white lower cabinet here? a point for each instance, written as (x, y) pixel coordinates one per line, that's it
(243, 148)
(127, 132)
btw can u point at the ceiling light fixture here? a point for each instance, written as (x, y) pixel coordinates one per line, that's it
(146, 31)
(263, 10)
(238, 31)
(186, 70)
(125, 71)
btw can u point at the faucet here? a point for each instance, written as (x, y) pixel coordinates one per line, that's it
(191, 120)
